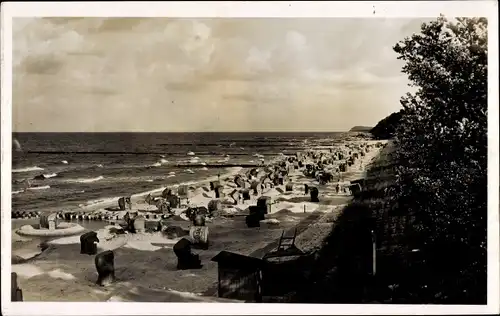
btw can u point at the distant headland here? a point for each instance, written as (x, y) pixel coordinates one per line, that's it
(360, 129)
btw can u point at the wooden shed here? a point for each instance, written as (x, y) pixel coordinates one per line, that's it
(239, 276)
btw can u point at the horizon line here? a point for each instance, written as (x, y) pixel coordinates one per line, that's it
(179, 132)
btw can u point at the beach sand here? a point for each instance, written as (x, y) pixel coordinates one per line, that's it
(145, 265)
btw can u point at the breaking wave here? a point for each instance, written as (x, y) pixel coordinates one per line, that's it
(86, 180)
(27, 169)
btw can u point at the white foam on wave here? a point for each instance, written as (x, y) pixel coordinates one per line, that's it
(99, 166)
(189, 171)
(17, 192)
(42, 187)
(86, 180)
(204, 168)
(110, 201)
(171, 176)
(65, 162)
(27, 169)
(190, 153)
(103, 201)
(159, 163)
(50, 175)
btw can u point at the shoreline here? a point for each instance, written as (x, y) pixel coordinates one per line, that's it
(224, 232)
(107, 202)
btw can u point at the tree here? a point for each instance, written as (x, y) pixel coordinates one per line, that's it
(386, 128)
(442, 150)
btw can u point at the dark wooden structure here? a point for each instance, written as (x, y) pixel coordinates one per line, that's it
(129, 220)
(166, 192)
(236, 196)
(125, 203)
(264, 202)
(245, 193)
(49, 221)
(186, 259)
(214, 206)
(238, 180)
(314, 194)
(173, 200)
(199, 237)
(16, 294)
(253, 220)
(105, 266)
(239, 276)
(214, 185)
(257, 211)
(88, 243)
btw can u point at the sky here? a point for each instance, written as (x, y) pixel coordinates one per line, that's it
(193, 75)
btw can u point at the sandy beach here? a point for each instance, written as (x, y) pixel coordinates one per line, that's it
(145, 264)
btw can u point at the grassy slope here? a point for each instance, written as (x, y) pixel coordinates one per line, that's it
(405, 273)
(344, 265)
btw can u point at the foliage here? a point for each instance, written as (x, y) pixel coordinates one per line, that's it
(386, 128)
(442, 151)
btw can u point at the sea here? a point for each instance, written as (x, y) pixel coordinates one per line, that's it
(67, 171)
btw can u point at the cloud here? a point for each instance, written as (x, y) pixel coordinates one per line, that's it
(45, 64)
(100, 74)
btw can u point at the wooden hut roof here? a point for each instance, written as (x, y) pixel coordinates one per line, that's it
(231, 259)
